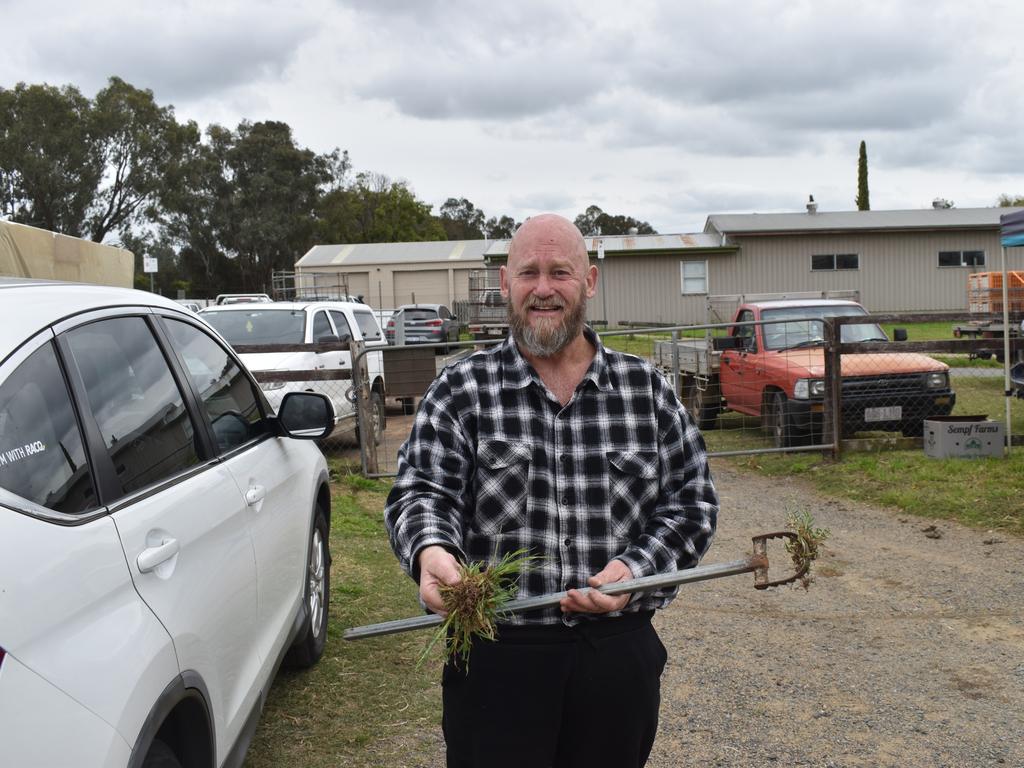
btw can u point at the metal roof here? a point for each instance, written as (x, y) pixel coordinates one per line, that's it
(634, 243)
(355, 254)
(842, 221)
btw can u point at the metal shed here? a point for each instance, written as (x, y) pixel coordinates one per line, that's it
(898, 260)
(390, 274)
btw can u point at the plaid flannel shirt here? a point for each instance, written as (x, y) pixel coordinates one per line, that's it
(495, 463)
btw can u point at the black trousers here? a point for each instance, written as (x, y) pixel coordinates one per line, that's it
(557, 697)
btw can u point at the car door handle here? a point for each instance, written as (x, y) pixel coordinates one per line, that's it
(151, 557)
(255, 495)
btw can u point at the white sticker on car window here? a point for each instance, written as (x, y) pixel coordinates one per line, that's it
(21, 452)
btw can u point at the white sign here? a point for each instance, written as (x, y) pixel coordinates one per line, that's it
(600, 249)
(149, 264)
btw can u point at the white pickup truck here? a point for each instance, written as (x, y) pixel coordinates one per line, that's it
(307, 323)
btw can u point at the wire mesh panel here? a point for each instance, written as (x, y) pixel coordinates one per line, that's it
(781, 381)
(929, 376)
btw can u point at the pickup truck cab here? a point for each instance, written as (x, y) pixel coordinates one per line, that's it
(772, 366)
(307, 323)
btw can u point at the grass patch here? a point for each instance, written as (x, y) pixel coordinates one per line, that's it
(984, 493)
(366, 703)
(937, 331)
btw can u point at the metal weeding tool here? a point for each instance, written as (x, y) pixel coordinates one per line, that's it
(757, 562)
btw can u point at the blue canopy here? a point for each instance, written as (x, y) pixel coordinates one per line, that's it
(1011, 229)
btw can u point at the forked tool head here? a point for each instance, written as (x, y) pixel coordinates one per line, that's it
(761, 580)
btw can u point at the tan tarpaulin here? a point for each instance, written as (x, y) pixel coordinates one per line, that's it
(30, 252)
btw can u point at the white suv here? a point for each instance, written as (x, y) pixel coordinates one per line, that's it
(261, 330)
(163, 538)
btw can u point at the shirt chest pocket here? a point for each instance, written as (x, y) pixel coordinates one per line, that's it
(632, 486)
(502, 477)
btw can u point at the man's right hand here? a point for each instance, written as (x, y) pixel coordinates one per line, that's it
(437, 566)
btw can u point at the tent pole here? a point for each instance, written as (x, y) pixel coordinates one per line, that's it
(1006, 353)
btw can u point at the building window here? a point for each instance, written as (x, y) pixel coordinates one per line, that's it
(830, 262)
(694, 276)
(961, 258)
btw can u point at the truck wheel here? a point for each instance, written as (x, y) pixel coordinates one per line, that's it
(784, 435)
(703, 404)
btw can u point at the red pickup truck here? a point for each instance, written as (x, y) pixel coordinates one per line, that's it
(772, 366)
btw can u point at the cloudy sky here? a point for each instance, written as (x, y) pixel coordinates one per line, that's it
(666, 111)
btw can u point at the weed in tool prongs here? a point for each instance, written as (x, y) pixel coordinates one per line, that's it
(809, 540)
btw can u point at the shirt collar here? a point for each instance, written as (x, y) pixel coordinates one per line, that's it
(517, 373)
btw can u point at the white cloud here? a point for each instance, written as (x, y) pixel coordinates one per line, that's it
(659, 110)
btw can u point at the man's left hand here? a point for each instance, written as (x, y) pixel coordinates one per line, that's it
(593, 601)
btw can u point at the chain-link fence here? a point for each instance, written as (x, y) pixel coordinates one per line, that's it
(782, 382)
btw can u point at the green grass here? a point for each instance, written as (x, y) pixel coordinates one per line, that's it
(985, 493)
(937, 331)
(366, 703)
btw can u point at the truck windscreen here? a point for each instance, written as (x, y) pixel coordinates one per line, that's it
(803, 326)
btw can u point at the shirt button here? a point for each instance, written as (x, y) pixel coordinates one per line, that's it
(568, 542)
(564, 458)
(564, 501)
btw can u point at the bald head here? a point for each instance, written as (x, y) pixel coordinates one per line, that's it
(547, 280)
(548, 232)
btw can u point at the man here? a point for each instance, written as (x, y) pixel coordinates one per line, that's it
(552, 443)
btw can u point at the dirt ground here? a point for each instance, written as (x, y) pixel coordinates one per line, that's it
(907, 650)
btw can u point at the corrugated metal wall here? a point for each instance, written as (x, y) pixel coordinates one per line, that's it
(648, 289)
(898, 270)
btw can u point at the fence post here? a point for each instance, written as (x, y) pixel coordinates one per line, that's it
(832, 429)
(364, 408)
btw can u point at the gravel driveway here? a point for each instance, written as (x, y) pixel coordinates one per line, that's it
(907, 650)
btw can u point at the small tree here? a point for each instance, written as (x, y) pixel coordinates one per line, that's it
(1009, 201)
(863, 197)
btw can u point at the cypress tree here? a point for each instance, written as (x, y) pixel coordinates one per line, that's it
(863, 198)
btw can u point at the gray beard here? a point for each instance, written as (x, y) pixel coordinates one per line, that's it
(547, 343)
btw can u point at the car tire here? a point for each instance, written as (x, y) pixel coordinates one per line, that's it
(703, 404)
(309, 645)
(378, 416)
(784, 434)
(160, 756)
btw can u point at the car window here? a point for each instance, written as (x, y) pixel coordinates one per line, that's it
(134, 399)
(341, 323)
(42, 457)
(259, 326)
(224, 390)
(445, 314)
(321, 325)
(746, 332)
(368, 325)
(418, 313)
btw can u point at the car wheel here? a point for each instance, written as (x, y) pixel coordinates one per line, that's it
(784, 435)
(160, 756)
(309, 645)
(703, 403)
(378, 416)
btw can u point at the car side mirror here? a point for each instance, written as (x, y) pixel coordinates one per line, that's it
(345, 338)
(899, 334)
(306, 415)
(326, 338)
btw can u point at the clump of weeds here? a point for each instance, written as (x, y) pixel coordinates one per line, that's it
(475, 603)
(809, 540)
